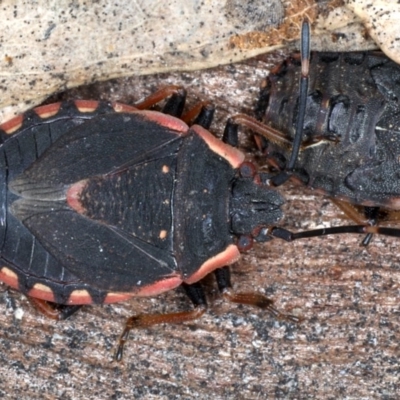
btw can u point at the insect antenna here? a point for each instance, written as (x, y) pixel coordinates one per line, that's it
(289, 236)
(282, 177)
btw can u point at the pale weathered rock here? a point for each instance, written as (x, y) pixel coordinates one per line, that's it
(381, 18)
(48, 46)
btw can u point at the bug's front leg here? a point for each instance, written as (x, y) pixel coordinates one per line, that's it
(249, 298)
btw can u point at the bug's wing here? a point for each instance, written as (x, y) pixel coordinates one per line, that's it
(117, 246)
(101, 146)
(100, 255)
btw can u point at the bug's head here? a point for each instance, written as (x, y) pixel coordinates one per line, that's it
(253, 206)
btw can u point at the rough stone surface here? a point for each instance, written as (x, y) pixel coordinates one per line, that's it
(49, 46)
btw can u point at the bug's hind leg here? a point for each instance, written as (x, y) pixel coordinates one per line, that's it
(250, 298)
(52, 310)
(194, 292)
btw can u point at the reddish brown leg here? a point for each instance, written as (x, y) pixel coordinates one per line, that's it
(201, 114)
(357, 214)
(389, 215)
(261, 129)
(253, 299)
(51, 310)
(271, 134)
(161, 95)
(195, 293)
(360, 215)
(351, 211)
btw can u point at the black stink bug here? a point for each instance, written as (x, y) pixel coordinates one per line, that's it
(330, 121)
(102, 202)
(350, 148)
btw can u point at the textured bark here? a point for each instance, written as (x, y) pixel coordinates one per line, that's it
(346, 346)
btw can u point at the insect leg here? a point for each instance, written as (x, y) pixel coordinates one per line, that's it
(230, 135)
(255, 126)
(195, 293)
(174, 106)
(253, 299)
(360, 215)
(371, 213)
(200, 114)
(52, 310)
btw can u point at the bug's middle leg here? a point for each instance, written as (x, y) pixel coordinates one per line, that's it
(194, 292)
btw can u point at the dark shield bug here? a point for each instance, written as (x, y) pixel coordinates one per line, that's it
(102, 202)
(350, 147)
(331, 122)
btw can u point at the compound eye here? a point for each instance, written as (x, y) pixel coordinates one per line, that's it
(244, 243)
(247, 170)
